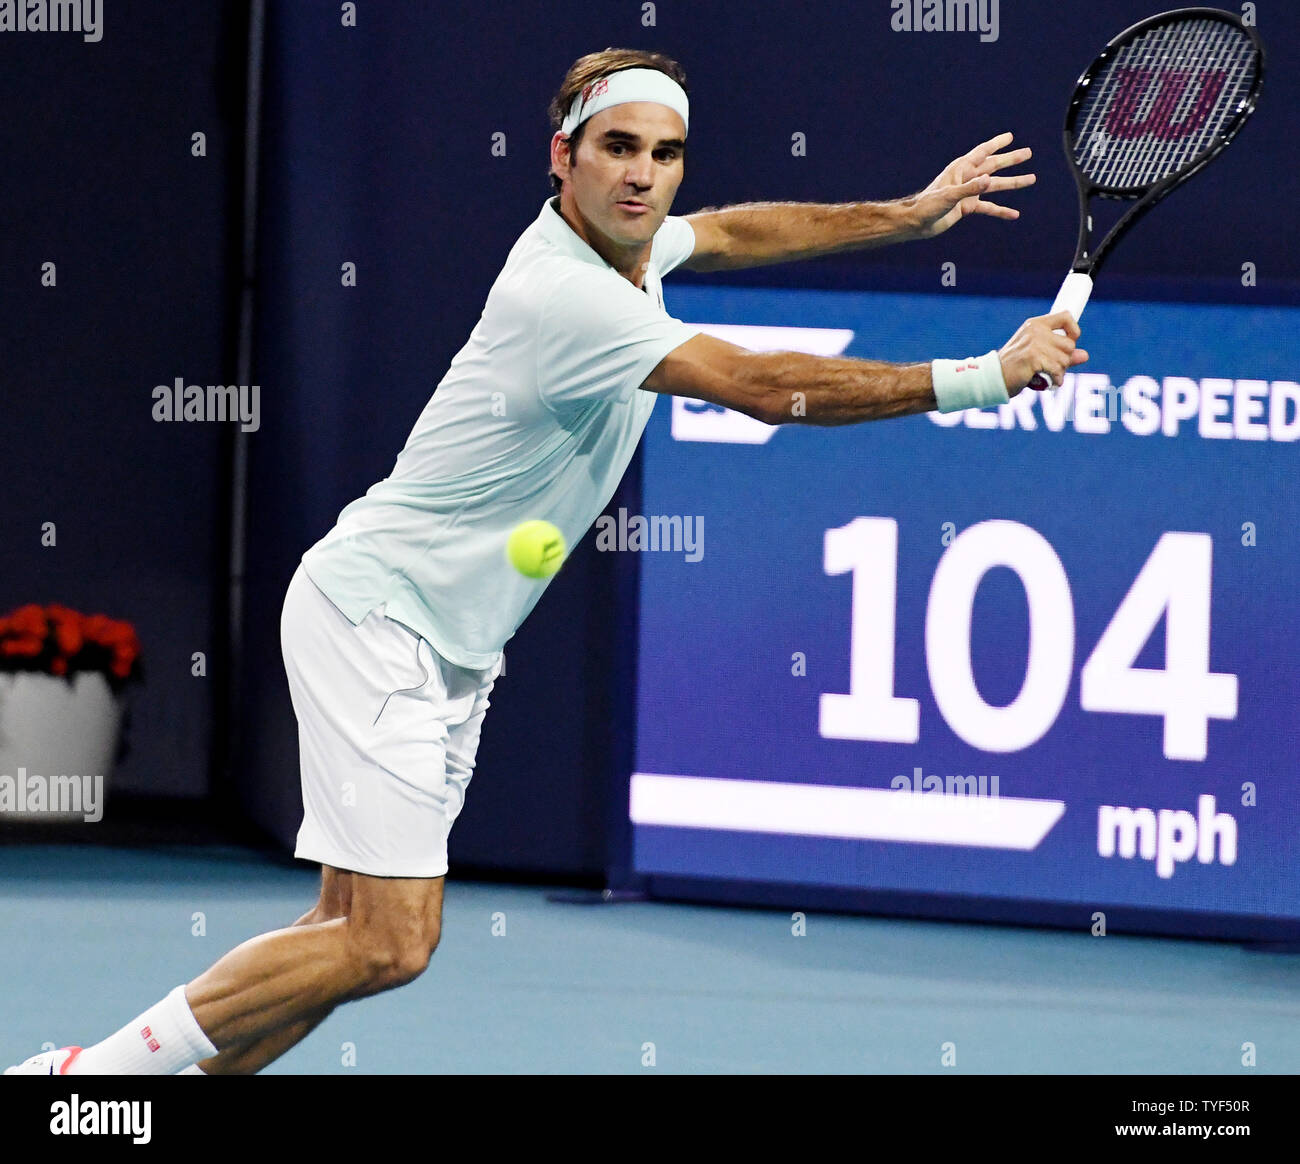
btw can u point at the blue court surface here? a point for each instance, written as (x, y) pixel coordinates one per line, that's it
(92, 936)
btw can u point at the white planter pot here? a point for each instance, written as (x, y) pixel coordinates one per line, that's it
(57, 744)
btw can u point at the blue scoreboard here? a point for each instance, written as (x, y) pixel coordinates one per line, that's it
(1044, 655)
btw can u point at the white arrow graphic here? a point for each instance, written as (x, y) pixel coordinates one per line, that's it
(819, 810)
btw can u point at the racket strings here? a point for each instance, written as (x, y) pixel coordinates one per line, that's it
(1172, 136)
(1162, 102)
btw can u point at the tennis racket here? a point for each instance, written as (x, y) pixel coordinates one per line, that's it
(1161, 102)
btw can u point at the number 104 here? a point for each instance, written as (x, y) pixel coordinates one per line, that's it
(1174, 581)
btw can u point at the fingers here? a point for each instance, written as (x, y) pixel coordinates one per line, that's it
(982, 151)
(1077, 356)
(994, 210)
(1065, 321)
(1015, 182)
(1002, 161)
(1046, 344)
(1019, 182)
(985, 183)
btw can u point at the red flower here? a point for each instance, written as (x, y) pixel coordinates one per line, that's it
(23, 647)
(95, 627)
(30, 620)
(67, 630)
(126, 650)
(60, 641)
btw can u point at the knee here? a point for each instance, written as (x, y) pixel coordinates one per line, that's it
(383, 963)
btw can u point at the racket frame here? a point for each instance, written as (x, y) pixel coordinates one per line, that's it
(1077, 288)
(1089, 263)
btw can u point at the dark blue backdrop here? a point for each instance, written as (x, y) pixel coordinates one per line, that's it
(99, 179)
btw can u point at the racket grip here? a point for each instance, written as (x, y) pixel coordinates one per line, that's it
(1072, 297)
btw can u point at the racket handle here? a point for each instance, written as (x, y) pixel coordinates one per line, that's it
(1072, 297)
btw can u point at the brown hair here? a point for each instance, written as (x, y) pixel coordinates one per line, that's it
(591, 68)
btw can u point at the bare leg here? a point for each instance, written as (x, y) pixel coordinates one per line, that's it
(249, 1058)
(264, 996)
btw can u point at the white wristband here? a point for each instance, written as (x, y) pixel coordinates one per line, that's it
(969, 383)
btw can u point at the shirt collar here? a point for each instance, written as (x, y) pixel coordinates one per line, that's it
(554, 227)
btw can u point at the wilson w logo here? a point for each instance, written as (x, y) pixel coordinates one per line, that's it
(1132, 88)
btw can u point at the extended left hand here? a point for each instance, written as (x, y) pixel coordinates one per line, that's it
(957, 191)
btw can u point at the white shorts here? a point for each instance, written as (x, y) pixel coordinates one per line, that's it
(387, 733)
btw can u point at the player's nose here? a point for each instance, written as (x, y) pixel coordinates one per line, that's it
(640, 173)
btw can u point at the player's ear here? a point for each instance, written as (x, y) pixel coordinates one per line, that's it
(560, 159)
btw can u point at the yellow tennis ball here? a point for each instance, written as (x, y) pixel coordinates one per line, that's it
(536, 549)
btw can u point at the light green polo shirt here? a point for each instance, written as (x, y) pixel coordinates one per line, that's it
(537, 417)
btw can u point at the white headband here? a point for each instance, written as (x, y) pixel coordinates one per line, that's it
(624, 86)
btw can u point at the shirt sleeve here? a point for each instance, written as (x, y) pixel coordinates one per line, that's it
(674, 243)
(599, 338)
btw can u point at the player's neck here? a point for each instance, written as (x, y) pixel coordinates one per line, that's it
(630, 261)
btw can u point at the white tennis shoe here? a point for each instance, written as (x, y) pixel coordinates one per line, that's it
(46, 1063)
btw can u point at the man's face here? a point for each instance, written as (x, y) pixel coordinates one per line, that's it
(629, 154)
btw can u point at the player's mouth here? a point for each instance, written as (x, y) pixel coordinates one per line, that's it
(632, 206)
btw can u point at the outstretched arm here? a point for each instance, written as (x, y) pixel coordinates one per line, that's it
(756, 234)
(794, 388)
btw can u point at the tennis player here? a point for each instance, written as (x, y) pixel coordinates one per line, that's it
(394, 624)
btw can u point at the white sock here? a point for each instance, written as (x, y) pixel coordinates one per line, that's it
(160, 1042)
(192, 1069)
